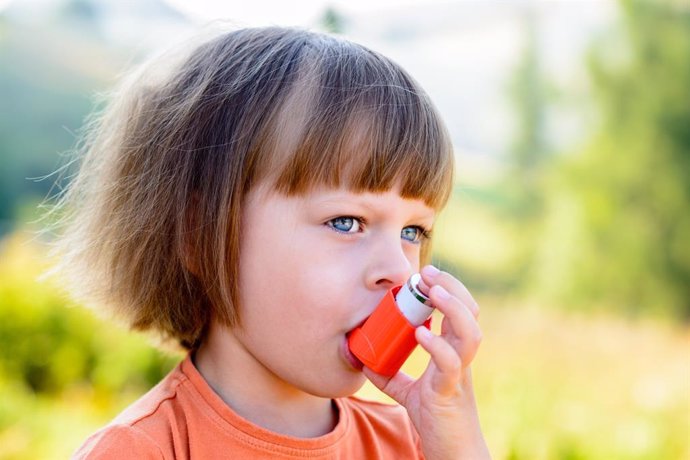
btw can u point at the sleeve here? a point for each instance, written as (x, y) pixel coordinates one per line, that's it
(417, 442)
(118, 442)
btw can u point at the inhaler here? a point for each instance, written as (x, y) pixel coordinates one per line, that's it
(386, 338)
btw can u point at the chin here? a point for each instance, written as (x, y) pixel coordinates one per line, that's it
(335, 386)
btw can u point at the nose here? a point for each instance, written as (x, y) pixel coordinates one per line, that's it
(389, 265)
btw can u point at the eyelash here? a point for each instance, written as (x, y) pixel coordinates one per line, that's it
(424, 234)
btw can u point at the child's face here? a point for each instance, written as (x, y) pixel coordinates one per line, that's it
(314, 267)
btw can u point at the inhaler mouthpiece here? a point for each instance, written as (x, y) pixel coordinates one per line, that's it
(386, 338)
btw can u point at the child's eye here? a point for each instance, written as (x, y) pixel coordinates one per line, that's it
(414, 234)
(346, 224)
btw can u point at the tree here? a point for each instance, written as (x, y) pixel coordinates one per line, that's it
(332, 21)
(631, 186)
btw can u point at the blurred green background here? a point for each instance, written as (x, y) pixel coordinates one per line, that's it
(578, 252)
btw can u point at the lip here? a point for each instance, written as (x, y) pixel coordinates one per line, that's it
(348, 357)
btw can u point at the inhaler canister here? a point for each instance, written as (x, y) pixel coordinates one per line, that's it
(386, 338)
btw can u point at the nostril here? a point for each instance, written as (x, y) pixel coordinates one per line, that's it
(389, 282)
(384, 282)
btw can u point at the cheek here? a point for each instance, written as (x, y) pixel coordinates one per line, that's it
(300, 279)
(286, 283)
(414, 255)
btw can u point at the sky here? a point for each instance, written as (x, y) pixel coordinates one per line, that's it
(264, 12)
(462, 52)
(281, 12)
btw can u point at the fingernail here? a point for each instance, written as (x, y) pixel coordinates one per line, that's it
(425, 333)
(430, 271)
(441, 293)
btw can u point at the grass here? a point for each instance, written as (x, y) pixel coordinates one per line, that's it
(550, 384)
(554, 385)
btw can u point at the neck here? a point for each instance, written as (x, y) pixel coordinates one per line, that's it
(257, 394)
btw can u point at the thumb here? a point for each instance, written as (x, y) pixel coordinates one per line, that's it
(397, 387)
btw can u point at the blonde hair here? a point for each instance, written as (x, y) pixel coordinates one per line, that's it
(152, 219)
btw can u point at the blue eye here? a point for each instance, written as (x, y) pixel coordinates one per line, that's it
(345, 224)
(414, 234)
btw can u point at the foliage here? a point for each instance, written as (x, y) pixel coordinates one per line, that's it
(549, 385)
(47, 79)
(615, 229)
(51, 352)
(606, 227)
(332, 21)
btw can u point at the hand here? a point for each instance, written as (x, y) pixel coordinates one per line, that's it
(441, 402)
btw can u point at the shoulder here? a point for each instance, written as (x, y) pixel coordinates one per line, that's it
(118, 441)
(143, 429)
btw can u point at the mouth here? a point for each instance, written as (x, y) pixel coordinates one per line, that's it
(349, 358)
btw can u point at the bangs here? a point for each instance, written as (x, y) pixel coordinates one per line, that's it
(358, 121)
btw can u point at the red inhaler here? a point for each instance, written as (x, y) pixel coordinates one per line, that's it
(386, 338)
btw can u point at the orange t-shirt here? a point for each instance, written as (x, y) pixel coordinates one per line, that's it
(182, 418)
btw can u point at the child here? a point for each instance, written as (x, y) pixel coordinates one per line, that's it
(254, 202)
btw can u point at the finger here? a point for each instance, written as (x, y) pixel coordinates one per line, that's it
(446, 366)
(465, 334)
(432, 276)
(397, 387)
